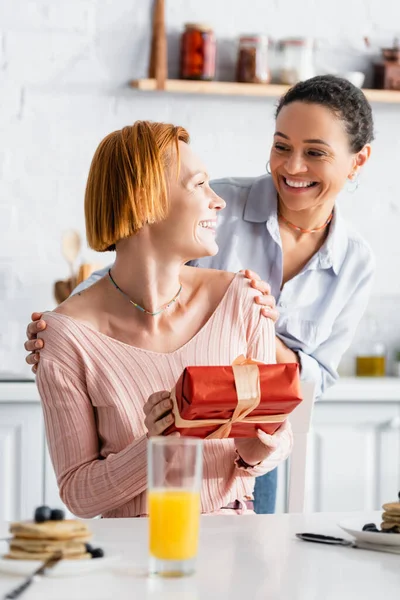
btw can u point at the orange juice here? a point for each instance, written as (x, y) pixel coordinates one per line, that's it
(174, 524)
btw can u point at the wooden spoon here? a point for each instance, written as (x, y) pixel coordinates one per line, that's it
(70, 248)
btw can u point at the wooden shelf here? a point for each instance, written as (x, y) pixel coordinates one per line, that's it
(223, 88)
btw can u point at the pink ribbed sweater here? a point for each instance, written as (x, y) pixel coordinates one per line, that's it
(93, 389)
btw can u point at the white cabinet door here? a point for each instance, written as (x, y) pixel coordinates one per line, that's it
(21, 460)
(354, 457)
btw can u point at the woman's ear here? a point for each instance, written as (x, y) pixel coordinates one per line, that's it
(360, 159)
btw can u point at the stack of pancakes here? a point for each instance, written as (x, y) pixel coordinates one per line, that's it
(391, 517)
(38, 541)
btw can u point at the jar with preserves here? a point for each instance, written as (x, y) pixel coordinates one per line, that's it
(198, 49)
(252, 62)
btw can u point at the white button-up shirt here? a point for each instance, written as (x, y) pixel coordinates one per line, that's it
(320, 307)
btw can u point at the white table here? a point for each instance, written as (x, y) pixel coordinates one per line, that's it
(253, 557)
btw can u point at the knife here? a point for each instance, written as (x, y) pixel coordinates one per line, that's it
(35, 576)
(327, 539)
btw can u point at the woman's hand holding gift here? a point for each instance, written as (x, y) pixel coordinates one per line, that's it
(158, 411)
(254, 450)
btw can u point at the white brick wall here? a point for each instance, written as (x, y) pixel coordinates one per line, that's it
(63, 73)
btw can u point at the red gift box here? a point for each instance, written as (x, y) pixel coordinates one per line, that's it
(235, 401)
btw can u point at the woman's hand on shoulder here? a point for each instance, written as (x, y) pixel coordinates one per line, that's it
(255, 450)
(158, 411)
(33, 345)
(265, 299)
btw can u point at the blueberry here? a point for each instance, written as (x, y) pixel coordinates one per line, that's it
(89, 548)
(42, 514)
(57, 514)
(370, 527)
(97, 553)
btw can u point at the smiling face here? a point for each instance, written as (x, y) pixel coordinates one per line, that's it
(190, 227)
(311, 158)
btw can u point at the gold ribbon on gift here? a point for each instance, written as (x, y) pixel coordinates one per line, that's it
(247, 383)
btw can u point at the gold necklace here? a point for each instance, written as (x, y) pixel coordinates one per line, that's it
(297, 228)
(147, 312)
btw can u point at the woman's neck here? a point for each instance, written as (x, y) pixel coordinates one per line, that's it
(309, 219)
(149, 281)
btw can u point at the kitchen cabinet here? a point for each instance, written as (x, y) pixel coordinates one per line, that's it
(27, 478)
(354, 448)
(353, 456)
(21, 459)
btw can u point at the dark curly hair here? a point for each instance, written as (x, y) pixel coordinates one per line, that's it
(343, 98)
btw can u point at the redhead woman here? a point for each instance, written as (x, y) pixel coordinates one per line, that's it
(113, 351)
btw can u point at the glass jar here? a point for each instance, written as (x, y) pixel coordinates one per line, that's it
(371, 358)
(297, 60)
(252, 62)
(198, 49)
(373, 363)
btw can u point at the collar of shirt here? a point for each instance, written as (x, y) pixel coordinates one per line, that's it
(261, 207)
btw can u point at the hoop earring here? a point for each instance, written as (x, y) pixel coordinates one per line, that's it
(268, 167)
(354, 183)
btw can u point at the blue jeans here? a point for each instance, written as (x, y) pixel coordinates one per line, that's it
(265, 493)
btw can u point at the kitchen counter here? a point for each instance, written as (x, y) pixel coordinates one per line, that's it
(249, 557)
(364, 389)
(18, 391)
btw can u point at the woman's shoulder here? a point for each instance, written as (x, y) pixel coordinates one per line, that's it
(233, 290)
(61, 332)
(359, 253)
(82, 307)
(242, 288)
(213, 281)
(357, 242)
(221, 282)
(64, 346)
(66, 331)
(212, 277)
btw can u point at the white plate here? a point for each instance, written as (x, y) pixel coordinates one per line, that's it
(354, 528)
(64, 568)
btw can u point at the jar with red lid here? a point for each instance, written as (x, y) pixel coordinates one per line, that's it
(252, 62)
(198, 49)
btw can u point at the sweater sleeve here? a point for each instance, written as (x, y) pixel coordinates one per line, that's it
(89, 484)
(260, 331)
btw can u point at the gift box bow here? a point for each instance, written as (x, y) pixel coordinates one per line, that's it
(247, 384)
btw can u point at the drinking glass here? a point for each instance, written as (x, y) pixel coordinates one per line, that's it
(174, 483)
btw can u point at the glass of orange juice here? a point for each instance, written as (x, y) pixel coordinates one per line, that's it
(174, 482)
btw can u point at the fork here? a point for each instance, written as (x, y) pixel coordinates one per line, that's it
(35, 576)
